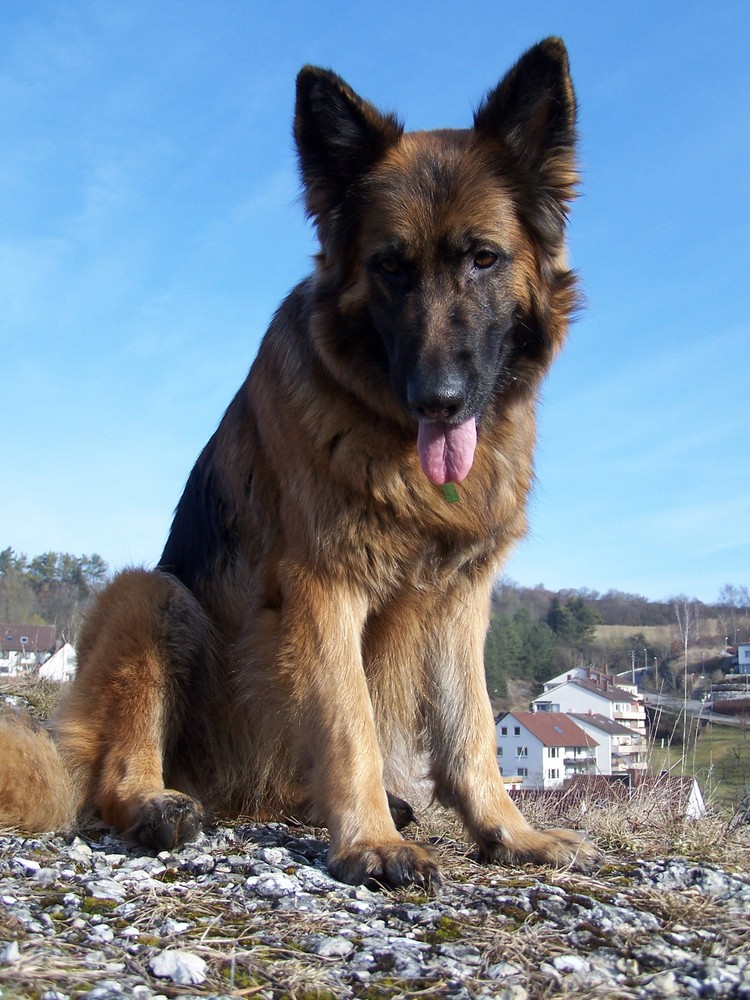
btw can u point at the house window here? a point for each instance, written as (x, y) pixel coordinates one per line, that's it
(516, 730)
(522, 751)
(24, 640)
(503, 730)
(553, 774)
(523, 772)
(499, 751)
(554, 751)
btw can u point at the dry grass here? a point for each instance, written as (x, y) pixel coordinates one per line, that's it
(618, 634)
(38, 697)
(647, 826)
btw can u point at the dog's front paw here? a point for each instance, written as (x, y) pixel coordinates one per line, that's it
(564, 848)
(166, 820)
(388, 865)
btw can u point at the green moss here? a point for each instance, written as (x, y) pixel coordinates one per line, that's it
(102, 906)
(149, 940)
(445, 930)
(52, 899)
(240, 979)
(416, 897)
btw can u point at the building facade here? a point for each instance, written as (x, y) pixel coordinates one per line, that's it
(543, 749)
(587, 690)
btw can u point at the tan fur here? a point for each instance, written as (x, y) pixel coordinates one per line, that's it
(317, 621)
(36, 791)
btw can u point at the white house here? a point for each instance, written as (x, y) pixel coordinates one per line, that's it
(620, 749)
(596, 693)
(743, 658)
(575, 673)
(599, 677)
(543, 748)
(61, 666)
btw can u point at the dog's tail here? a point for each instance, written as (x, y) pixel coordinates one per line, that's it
(36, 791)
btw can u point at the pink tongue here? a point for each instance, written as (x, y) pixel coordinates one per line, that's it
(446, 451)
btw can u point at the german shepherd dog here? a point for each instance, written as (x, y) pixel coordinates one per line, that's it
(316, 623)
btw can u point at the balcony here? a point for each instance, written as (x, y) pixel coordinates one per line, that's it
(573, 762)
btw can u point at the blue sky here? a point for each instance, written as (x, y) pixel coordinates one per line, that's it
(150, 224)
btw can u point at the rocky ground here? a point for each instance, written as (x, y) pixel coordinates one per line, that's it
(250, 911)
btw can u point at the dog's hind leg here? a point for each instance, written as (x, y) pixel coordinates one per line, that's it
(126, 706)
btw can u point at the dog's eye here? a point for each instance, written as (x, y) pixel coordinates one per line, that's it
(484, 259)
(390, 266)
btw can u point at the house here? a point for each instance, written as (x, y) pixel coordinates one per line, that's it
(743, 658)
(587, 690)
(25, 647)
(600, 677)
(575, 673)
(623, 748)
(543, 748)
(61, 666)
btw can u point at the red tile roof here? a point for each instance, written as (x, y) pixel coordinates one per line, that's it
(554, 729)
(38, 638)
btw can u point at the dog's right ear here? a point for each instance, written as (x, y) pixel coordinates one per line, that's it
(339, 138)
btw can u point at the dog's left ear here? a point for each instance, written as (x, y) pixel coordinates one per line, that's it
(532, 113)
(339, 138)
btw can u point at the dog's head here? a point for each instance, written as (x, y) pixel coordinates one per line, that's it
(442, 272)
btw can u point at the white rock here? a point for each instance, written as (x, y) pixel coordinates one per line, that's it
(274, 885)
(28, 864)
(105, 888)
(570, 963)
(102, 933)
(333, 947)
(170, 927)
(664, 983)
(182, 967)
(10, 953)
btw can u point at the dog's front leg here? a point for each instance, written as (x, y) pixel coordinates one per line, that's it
(321, 662)
(464, 745)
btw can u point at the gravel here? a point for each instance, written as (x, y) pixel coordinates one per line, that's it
(251, 911)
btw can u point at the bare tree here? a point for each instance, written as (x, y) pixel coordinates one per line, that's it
(687, 612)
(727, 607)
(743, 599)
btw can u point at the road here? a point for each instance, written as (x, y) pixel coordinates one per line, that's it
(695, 708)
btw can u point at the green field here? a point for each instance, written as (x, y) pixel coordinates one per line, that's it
(719, 759)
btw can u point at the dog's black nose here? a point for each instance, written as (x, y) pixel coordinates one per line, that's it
(435, 398)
